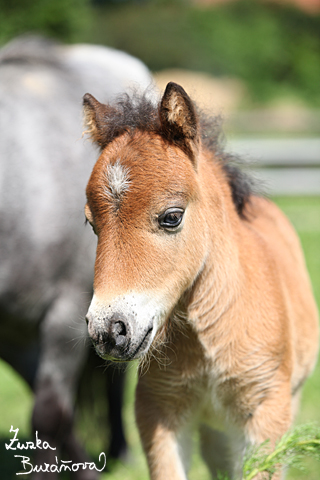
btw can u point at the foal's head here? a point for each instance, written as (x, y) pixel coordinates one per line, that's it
(146, 206)
(143, 204)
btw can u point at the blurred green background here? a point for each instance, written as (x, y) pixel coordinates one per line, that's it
(272, 49)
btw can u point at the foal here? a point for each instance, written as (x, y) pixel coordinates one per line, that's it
(201, 277)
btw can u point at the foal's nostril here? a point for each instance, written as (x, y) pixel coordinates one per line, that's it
(110, 336)
(119, 328)
(119, 332)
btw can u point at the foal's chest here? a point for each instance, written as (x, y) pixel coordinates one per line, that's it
(221, 405)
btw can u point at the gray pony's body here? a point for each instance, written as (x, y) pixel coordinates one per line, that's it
(47, 254)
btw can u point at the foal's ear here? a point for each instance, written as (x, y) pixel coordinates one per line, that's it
(95, 114)
(179, 119)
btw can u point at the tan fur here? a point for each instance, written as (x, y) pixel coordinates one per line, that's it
(240, 334)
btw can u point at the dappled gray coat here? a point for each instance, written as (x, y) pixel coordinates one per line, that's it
(46, 252)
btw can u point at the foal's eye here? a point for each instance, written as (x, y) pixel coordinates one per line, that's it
(171, 218)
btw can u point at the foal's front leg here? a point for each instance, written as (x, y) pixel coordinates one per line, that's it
(159, 431)
(271, 421)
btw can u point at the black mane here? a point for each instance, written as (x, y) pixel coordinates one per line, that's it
(242, 185)
(139, 112)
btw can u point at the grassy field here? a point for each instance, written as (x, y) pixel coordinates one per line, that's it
(16, 399)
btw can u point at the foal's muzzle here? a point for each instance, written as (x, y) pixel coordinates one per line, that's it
(116, 338)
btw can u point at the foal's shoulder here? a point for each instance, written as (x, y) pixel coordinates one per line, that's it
(262, 210)
(271, 223)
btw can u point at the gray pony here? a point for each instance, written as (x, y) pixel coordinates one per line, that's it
(47, 254)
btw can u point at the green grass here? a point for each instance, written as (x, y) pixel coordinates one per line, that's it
(16, 400)
(15, 407)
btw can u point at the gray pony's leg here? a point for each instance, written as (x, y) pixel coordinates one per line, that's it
(115, 377)
(63, 353)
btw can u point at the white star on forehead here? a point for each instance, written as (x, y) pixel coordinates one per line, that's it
(117, 177)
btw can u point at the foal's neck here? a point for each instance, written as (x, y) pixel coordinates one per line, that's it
(219, 283)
